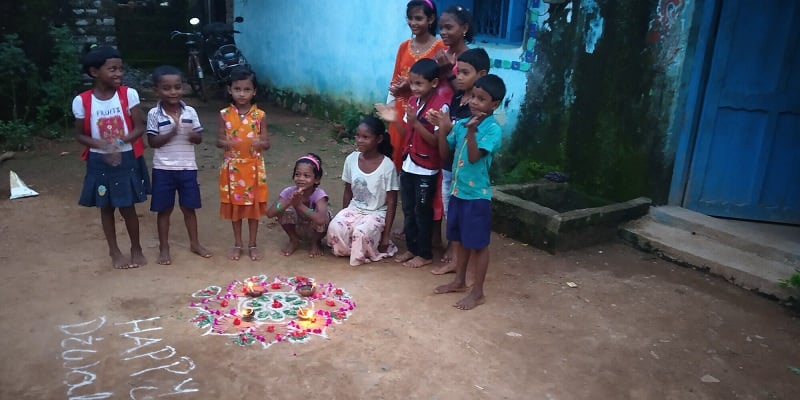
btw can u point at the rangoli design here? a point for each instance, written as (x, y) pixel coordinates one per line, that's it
(262, 311)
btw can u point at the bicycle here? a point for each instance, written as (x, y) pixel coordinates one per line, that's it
(194, 68)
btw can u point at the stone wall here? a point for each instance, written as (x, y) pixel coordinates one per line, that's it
(94, 21)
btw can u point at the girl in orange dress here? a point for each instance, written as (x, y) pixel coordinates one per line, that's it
(242, 176)
(421, 18)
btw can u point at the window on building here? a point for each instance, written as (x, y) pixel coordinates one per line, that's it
(495, 21)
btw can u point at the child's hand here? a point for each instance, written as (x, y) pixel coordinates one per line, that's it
(225, 144)
(444, 59)
(296, 199)
(113, 156)
(411, 114)
(438, 117)
(386, 112)
(475, 120)
(383, 246)
(258, 144)
(398, 85)
(195, 137)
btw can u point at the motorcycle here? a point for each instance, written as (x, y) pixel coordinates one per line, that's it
(220, 49)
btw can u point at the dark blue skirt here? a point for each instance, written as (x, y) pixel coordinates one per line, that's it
(122, 186)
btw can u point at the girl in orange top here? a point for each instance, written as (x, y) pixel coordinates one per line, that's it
(421, 18)
(242, 176)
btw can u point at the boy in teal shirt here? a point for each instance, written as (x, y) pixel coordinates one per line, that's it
(472, 142)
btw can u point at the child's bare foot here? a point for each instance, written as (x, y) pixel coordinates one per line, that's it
(447, 257)
(450, 287)
(417, 262)
(235, 253)
(316, 250)
(163, 256)
(118, 261)
(444, 269)
(255, 254)
(470, 301)
(200, 250)
(137, 258)
(290, 247)
(404, 257)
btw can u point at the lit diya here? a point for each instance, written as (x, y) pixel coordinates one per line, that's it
(306, 314)
(247, 314)
(253, 290)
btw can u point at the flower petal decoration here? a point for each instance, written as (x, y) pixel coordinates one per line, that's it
(274, 316)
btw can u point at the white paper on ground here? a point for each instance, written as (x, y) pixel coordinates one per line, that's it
(18, 187)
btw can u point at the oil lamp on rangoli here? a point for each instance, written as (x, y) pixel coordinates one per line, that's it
(253, 290)
(305, 314)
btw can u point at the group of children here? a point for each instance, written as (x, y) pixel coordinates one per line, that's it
(441, 129)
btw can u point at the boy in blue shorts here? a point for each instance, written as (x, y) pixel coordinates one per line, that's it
(173, 129)
(472, 142)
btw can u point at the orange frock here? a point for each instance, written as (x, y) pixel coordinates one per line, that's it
(405, 59)
(243, 188)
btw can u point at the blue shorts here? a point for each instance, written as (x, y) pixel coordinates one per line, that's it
(469, 222)
(167, 182)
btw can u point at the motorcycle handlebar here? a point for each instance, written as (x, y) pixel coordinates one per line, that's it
(175, 34)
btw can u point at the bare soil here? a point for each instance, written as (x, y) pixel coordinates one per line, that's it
(635, 327)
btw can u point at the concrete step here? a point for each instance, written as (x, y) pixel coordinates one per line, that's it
(772, 241)
(744, 257)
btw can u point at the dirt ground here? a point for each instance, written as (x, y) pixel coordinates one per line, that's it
(635, 327)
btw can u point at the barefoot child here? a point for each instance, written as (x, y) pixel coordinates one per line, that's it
(173, 129)
(472, 64)
(302, 209)
(473, 142)
(108, 121)
(421, 161)
(242, 176)
(362, 229)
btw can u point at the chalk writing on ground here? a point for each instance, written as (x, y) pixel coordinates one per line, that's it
(153, 369)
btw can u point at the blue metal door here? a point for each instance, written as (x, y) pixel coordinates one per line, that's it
(746, 159)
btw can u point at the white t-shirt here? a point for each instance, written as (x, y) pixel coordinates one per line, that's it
(369, 190)
(107, 120)
(178, 153)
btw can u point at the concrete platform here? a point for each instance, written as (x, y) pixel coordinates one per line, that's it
(752, 255)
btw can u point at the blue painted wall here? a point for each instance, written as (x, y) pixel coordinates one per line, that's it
(346, 50)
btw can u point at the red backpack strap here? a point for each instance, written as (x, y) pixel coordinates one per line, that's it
(86, 99)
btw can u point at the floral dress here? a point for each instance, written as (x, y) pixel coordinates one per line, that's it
(243, 188)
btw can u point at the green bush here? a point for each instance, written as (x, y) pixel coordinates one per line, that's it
(18, 77)
(25, 91)
(62, 82)
(16, 134)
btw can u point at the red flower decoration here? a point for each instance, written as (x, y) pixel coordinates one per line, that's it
(224, 303)
(275, 285)
(237, 322)
(276, 304)
(338, 292)
(301, 278)
(271, 328)
(330, 303)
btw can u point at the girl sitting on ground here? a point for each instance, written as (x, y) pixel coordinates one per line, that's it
(302, 209)
(362, 229)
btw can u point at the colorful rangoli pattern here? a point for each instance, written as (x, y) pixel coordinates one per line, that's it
(273, 315)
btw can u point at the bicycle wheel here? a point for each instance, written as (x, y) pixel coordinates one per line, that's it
(195, 78)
